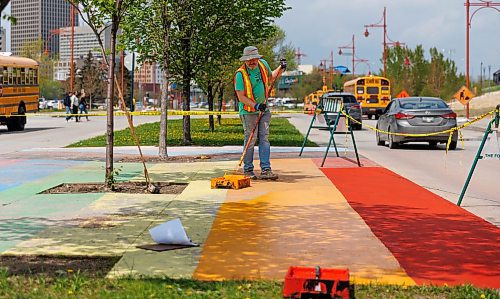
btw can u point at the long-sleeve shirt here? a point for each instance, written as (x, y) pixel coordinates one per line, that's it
(74, 100)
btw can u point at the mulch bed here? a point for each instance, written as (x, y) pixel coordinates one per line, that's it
(119, 187)
(97, 266)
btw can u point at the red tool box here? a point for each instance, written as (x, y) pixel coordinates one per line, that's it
(314, 283)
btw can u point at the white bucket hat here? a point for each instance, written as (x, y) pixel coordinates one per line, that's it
(250, 52)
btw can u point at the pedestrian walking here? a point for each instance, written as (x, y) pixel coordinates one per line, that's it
(74, 105)
(67, 105)
(251, 83)
(83, 106)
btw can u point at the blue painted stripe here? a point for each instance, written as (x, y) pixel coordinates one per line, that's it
(23, 171)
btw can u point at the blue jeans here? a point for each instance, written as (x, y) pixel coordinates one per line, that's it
(262, 133)
(68, 111)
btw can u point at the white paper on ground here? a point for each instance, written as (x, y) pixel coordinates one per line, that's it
(171, 232)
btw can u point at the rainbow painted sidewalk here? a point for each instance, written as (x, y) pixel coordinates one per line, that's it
(381, 226)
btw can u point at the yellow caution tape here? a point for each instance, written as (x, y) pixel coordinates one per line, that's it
(464, 125)
(149, 113)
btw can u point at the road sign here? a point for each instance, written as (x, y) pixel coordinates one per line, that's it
(464, 95)
(403, 94)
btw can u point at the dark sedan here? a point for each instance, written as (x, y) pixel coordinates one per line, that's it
(351, 106)
(417, 115)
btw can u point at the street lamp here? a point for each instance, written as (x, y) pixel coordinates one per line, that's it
(482, 4)
(355, 59)
(352, 47)
(383, 25)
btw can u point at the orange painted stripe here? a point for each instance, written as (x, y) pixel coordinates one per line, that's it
(299, 220)
(434, 240)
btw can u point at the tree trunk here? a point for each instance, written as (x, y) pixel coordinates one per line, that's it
(186, 88)
(221, 98)
(163, 143)
(186, 125)
(110, 95)
(164, 118)
(210, 94)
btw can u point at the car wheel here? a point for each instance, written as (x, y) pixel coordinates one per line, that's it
(380, 142)
(433, 144)
(392, 143)
(453, 145)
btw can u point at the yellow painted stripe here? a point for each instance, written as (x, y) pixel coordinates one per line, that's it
(299, 220)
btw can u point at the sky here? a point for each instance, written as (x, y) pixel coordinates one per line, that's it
(318, 27)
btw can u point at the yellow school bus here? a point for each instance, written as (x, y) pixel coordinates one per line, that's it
(312, 100)
(372, 92)
(19, 90)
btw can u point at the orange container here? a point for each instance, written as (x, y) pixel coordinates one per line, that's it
(309, 282)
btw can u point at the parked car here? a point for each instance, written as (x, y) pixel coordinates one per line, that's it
(42, 103)
(54, 104)
(352, 107)
(417, 115)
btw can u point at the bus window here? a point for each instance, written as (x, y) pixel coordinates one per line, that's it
(11, 75)
(18, 76)
(360, 90)
(23, 76)
(5, 80)
(372, 90)
(35, 76)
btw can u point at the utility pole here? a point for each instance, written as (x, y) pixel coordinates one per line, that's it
(299, 54)
(71, 44)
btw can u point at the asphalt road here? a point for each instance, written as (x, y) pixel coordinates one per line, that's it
(47, 131)
(441, 173)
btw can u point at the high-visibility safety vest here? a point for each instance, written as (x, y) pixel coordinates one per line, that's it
(248, 85)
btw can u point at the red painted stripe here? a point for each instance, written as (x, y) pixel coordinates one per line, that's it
(434, 240)
(5, 162)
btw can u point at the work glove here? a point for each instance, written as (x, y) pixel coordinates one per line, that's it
(283, 63)
(260, 107)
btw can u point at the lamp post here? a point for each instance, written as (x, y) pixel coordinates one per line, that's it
(382, 23)
(353, 49)
(355, 60)
(482, 4)
(71, 44)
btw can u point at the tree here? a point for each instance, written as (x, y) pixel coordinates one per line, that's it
(220, 27)
(203, 37)
(307, 84)
(92, 77)
(437, 77)
(49, 88)
(153, 45)
(99, 14)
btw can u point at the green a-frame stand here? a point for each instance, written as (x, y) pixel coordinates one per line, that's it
(496, 121)
(332, 109)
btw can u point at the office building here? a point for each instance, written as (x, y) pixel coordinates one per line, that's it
(39, 19)
(3, 39)
(84, 40)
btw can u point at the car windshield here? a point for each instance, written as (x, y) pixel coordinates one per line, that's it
(345, 98)
(423, 104)
(349, 99)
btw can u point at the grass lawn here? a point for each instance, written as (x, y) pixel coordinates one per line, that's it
(74, 285)
(282, 133)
